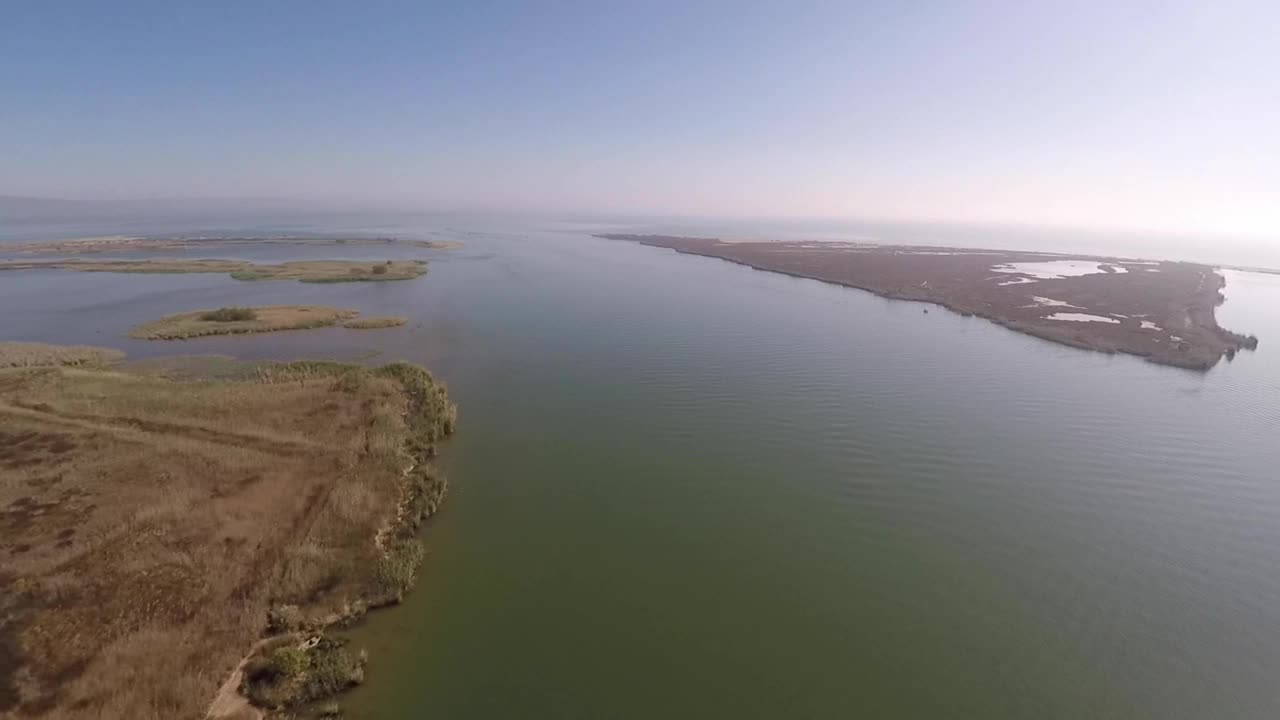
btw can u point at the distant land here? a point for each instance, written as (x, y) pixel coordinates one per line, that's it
(1162, 311)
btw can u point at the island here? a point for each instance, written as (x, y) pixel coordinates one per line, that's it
(310, 271)
(266, 318)
(170, 542)
(1162, 311)
(121, 243)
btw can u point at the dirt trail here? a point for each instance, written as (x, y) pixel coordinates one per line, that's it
(126, 425)
(229, 704)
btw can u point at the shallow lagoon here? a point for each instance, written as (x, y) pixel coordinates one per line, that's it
(684, 488)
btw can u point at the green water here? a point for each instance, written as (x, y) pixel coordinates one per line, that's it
(685, 489)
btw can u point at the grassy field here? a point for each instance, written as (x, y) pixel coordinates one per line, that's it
(152, 530)
(314, 271)
(24, 354)
(269, 318)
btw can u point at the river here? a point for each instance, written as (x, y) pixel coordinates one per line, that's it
(685, 488)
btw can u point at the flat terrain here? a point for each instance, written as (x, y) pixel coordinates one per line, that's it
(147, 526)
(316, 271)
(1163, 311)
(116, 243)
(375, 322)
(27, 354)
(267, 318)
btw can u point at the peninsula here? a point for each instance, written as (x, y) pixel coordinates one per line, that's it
(1162, 311)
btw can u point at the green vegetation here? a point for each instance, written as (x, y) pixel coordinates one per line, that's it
(287, 661)
(268, 318)
(373, 323)
(398, 569)
(230, 314)
(25, 354)
(295, 674)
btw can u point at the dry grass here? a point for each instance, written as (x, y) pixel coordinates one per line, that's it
(371, 323)
(315, 271)
(322, 271)
(24, 354)
(147, 525)
(269, 318)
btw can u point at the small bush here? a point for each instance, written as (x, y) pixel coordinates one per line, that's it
(291, 676)
(288, 661)
(333, 670)
(397, 571)
(229, 314)
(379, 269)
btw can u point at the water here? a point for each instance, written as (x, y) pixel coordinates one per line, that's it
(684, 488)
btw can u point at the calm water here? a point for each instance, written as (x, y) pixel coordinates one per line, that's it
(683, 488)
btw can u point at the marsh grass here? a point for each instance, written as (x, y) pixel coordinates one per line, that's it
(230, 314)
(314, 271)
(231, 321)
(25, 354)
(268, 318)
(373, 323)
(155, 527)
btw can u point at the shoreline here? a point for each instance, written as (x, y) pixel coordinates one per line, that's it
(1161, 311)
(231, 702)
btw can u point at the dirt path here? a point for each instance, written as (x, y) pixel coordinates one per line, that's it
(125, 425)
(229, 704)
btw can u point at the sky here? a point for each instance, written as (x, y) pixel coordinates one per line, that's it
(1094, 113)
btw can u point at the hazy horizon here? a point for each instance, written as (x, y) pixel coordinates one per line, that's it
(1149, 117)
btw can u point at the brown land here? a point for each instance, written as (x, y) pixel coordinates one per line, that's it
(26, 354)
(152, 531)
(115, 243)
(314, 271)
(267, 318)
(1163, 311)
(374, 323)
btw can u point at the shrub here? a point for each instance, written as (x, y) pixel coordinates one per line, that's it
(229, 314)
(398, 569)
(288, 661)
(426, 492)
(291, 676)
(379, 269)
(333, 670)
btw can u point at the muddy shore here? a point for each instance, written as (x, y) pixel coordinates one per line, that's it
(1162, 311)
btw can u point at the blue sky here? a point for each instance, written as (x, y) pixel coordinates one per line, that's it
(1152, 115)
